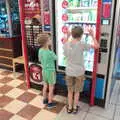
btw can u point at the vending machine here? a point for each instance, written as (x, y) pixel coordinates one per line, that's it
(95, 14)
(37, 20)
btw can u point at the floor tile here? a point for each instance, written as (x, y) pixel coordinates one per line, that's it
(4, 100)
(91, 116)
(29, 112)
(107, 113)
(83, 106)
(4, 89)
(23, 86)
(1, 94)
(15, 106)
(38, 102)
(2, 76)
(45, 115)
(14, 93)
(117, 113)
(21, 77)
(2, 70)
(61, 99)
(17, 117)
(114, 95)
(5, 115)
(26, 97)
(37, 92)
(118, 100)
(57, 109)
(6, 73)
(16, 75)
(65, 116)
(1, 84)
(5, 80)
(15, 83)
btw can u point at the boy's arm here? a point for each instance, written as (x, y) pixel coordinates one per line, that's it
(95, 45)
(65, 39)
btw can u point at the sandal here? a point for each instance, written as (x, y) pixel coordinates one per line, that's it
(69, 110)
(75, 111)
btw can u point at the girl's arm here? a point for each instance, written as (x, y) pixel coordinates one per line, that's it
(53, 55)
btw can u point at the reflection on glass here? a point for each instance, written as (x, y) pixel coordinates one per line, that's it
(14, 14)
(3, 19)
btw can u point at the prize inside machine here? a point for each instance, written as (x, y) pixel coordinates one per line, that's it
(37, 23)
(84, 13)
(10, 36)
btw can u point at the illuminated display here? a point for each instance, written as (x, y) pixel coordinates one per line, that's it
(70, 13)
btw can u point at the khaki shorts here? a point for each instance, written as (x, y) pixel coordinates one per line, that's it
(75, 84)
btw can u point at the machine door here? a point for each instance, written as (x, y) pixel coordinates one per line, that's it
(114, 74)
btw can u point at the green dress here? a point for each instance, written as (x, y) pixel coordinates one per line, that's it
(47, 59)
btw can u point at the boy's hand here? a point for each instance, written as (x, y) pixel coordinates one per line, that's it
(64, 40)
(66, 37)
(91, 32)
(68, 34)
(96, 44)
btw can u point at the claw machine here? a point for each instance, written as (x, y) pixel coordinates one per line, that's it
(95, 14)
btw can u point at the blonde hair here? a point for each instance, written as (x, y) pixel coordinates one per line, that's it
(42, 39)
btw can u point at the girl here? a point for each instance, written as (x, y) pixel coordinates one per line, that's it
(47, 59)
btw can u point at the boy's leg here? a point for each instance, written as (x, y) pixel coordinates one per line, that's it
(76, 99)
(78, 87)
(69, 81)
(70, 99)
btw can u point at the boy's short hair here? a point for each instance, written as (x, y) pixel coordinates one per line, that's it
(42, 39)
(77, 32)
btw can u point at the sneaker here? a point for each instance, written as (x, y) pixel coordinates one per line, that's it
(45, 101)
(51, 105)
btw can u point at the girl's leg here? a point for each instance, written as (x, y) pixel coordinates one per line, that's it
(50, 95)
(45, 87)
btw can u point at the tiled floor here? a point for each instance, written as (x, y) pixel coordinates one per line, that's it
(19, 103)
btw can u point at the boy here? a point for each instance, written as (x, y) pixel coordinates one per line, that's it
(73, 51)
(47, 58)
